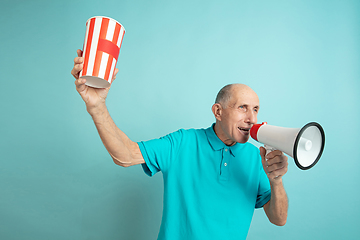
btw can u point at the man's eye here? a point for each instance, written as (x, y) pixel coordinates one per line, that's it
(242, 107)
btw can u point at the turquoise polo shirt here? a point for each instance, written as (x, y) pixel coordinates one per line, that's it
(210, 189)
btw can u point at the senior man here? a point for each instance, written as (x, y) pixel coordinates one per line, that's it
(213, 178)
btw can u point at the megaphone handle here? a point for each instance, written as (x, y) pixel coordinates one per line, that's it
(269, 149)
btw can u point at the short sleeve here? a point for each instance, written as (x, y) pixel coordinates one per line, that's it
(264, 190)
(159, 153)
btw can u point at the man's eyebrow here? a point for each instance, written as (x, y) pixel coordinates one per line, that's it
(247, 105)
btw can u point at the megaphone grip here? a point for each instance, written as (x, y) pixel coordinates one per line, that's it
(269, 149)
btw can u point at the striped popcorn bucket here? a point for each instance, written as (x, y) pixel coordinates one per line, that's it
(101, 50)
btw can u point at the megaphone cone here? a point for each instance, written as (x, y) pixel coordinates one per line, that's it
(304, 144)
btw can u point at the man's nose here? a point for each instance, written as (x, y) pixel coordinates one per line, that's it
(251, 117)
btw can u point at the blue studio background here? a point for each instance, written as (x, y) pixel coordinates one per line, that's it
(57, 181)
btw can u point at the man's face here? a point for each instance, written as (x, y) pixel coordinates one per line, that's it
(238, 116)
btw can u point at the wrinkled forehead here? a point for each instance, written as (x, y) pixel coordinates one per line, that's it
(242, 94)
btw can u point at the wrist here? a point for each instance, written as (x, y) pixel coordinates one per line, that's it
(97, 111)
(276, 182)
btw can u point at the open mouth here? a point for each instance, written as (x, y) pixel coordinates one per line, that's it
(244, 130)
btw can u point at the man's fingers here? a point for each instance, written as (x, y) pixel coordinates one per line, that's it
(79, 52)
(262, 152)
(80, 84)
(275, 158)
(78, 60)
(114, 76)
(275, 163)
(78, 66)
(275, 167)
(273, 154)
(76, 70)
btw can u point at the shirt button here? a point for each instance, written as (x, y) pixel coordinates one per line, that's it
(226, 150)
(225, 164)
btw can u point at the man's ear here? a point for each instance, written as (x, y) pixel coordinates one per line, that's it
(217, 111)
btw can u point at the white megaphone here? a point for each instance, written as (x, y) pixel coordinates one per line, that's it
(304, 144)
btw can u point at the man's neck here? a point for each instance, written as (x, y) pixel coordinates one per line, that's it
(220, 134)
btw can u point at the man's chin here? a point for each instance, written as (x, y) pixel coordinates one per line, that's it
(243, 140)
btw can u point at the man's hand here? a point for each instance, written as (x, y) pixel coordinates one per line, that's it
(275, 164)
(94, 98)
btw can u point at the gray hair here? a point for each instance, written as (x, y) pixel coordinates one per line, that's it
(224, 95)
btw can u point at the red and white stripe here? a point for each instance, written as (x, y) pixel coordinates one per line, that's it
(102, 45)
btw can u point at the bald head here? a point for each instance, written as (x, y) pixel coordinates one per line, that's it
(225, 95)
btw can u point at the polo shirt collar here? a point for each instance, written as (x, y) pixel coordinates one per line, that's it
(217, 144)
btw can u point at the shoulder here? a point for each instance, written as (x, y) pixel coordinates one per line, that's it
(187, 132)
(186, 136)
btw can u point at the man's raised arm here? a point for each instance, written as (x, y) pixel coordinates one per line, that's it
(123, 151)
